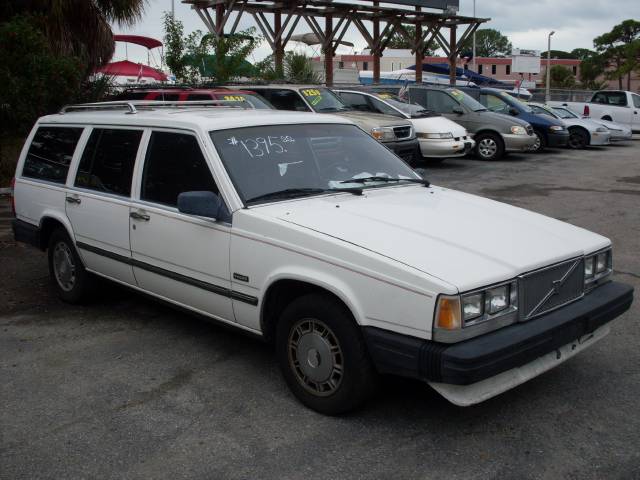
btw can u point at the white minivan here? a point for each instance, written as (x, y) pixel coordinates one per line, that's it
(438, 136)
(305, 231)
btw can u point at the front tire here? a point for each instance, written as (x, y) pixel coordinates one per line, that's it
(541, 142)
(489, 146)
(71, 281)
(578, 138)
(323, 356)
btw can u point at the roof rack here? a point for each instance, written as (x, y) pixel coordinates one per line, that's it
(133, 106)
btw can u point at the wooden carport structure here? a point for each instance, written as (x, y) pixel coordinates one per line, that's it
(277, 20)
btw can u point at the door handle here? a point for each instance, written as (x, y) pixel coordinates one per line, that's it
(73, 200)
(140, 216)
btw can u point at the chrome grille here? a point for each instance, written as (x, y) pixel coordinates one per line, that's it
(402, 132)
(551, 287)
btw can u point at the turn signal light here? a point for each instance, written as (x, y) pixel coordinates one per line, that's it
(448, 313)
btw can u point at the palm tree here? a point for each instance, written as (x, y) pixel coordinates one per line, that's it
(78, 27)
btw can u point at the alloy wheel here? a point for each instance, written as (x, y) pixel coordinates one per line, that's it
(64, 266)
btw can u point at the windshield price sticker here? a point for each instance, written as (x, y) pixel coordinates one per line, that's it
(457, 94)
(261, 146)
(314, 96)
(234, 98)
(384, 96)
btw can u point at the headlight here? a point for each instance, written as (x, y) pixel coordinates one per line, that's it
(556, 128)
(602, 129)
(518, 130)
(383, 134)
(597, 267)
(455, 312)
(435, 135)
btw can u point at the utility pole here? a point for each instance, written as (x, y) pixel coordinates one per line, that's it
(173, 9)
(547, 95)
(475, 69)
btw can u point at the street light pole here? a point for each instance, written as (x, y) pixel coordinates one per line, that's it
(547, 95)
(474, 40)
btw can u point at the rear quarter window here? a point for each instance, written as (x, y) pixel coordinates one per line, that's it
(50, 153)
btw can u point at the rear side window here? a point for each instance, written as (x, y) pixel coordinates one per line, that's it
(108, 160)
(174, 164)
(50, 153)
(198, 96)
(441, 102)
(285, 100)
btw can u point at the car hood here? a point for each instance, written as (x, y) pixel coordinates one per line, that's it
(438, 125)
(464, 240)
(610, 125)
(372, 120)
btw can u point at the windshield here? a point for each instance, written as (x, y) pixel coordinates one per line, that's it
(511, 100)
(563, 113)
(323, 100)
(251, 98)
(466, 100)
(414, 110)
(307, 159)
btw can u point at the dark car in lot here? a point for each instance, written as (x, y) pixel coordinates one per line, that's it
(186, 94)
(550, 132)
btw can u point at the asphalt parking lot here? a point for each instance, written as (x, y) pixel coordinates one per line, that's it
(128, 388)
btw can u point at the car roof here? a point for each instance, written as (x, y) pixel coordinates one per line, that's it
(189, 90)
(284, 86)
(191, 118)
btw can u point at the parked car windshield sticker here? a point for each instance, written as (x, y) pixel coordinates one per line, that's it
(261, 146)
(235, 98)
(313, 95)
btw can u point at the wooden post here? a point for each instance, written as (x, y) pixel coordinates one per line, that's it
(452, 55)
(376, 53)
(419, 51)
(328, 50)
(278, 51)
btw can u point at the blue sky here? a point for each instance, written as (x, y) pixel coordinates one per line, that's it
(526, 23)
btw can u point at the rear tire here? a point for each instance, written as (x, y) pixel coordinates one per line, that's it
(72, 282)
(323, 355)
(489, 146)
(578, 138)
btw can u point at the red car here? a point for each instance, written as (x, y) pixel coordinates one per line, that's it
(194, 94)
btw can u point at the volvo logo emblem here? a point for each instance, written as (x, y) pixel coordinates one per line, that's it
(557, 284)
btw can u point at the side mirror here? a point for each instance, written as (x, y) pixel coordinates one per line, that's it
(457, 110)
(513, 111)
(203, 204)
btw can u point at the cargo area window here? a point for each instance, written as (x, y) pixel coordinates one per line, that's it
(174, 164)
(108, 160)
(50, 153)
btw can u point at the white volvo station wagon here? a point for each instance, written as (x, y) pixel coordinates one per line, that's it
(305, 231)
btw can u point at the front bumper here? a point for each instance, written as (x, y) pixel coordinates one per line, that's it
(621, 135)
(560, 139)
(408, 150)
(518, 143)
(446, 148)
(488, 355)
(600, 138)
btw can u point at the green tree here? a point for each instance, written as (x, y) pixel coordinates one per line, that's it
(558, 54)
(581, 53)
(196, 55)
(489, 43)
(561, 77)
(297, 69)
(620, 48)
(592, 68)
(79, 28)
(400, 41)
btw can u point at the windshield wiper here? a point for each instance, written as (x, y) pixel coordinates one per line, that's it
(387, 179)
(301, 192)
